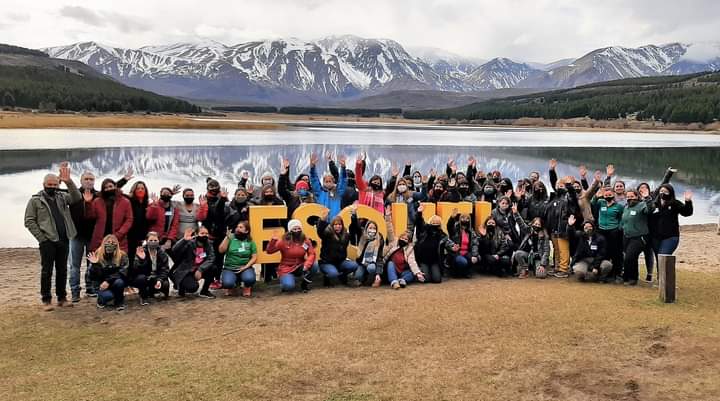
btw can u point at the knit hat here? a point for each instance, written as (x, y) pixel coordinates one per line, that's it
(302, 185)
(294, 223)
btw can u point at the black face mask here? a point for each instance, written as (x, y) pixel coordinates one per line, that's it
(609, 199)
(50, 191)
(491, 229)
(202, 240)
(589, 232)
(189, 200)
(465, 223)
(537, 229)
(665, 196)
(434, 228)
(496, 179)
(489, 191)
(375, 186)
(241, 236)
(241, 201)
(632, 202)
(296, 235)
(108, 194)
(578, 190)
(561, 191)
(268, 196)
(166, 198)
(402, 243)
(213, 191)
(464, 190)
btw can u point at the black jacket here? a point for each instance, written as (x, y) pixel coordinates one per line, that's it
(560, 207)
(663, 219)
(596, 248)
(144, 266)
(83, 226)
(430, 240)
(109, 271)
(334, 246)
(183, 254)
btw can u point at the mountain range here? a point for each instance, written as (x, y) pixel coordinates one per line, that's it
(346, 68)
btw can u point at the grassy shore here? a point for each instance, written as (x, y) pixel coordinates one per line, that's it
(479, 339)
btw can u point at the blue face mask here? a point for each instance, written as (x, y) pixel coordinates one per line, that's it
(303, 192)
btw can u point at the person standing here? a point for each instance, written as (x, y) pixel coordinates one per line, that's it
(80, 245)
(47, 217)
(112, 214)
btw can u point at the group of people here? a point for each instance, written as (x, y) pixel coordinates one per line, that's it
(593, 228)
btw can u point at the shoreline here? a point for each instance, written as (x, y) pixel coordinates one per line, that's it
(274, 121)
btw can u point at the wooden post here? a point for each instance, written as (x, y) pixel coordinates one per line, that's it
(666, 278)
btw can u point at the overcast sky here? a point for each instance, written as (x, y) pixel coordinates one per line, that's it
(528, 30)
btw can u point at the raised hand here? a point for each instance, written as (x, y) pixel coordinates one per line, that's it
(175, 189)
(328, 155)
(610, 170)
(285, 166)
(472, 161)
(342, 159)
(644, 192)
(313, 159)
(354, 207)
(153, 197)
(571, 220)
(583, 171)
(453, 166)
(92, 257)
(87, 195)
(275, 235)
(688, 196)
(514, 208)
(245, 175)
(520, 191)
(223, 193)
(432, 172)
(187, 235)
(598, 176)
(553, 164)
(421, 208)
(140, 252)
(64, 175)
(128, 174)
(509, 193)
(202, 199)
(395, 170)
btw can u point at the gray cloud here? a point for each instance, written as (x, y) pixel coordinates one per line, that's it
(121, 22)
(83, 15)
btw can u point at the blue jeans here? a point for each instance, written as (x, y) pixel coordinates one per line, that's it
(331, 271)
(361, 271)
(666, 246)
(79, 247)
(461, 266)
(116, 292)
(287, 281)
(392, 273)
(230, 279)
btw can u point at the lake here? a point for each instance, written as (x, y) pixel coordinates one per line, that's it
(188, 157)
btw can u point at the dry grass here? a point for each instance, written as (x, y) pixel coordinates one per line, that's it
(478, 339)
(27, 120)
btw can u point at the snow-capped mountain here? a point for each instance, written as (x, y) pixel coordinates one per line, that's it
(500, 73)
(292, 71)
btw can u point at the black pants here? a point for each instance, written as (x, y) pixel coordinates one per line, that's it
(432, 271)
(614, 241)
(269, 271)
(500, 267)
(190, 285)
(53, 254)
(633, 248)
(146, 285)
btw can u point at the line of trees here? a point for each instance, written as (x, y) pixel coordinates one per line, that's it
(687, 99)
(55, 89)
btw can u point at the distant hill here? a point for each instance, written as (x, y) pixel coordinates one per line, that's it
(684, 99)
(32, 79)
(417, 100)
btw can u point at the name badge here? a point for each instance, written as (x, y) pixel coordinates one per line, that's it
(305, 247)
(168, 213)
(604, 208)
(593, 247)
(633, 213)
(203, 255)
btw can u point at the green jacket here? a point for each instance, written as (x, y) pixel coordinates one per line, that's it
(609, 217)
(38, 217)
(635, 220)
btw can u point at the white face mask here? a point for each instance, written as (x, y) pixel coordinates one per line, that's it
(402, 188)
(417, 181)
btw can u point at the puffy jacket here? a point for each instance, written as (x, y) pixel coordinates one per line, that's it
(428, 247)
(293, 254)
(144, 266)
(110, 271)
(536, 243)
(331, 200)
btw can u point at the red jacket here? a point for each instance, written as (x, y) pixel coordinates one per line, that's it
(293, 254)
(155, 216)
(122, 220)
(366, 196)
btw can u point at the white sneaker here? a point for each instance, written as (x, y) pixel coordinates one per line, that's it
(402, 282)
(395, 285)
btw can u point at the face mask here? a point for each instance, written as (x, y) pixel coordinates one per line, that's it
(268, 196)
(303, 192)
(329, 186)
(213, 191)
(139, 193)
(371, 233)
(665, 196)
(110, 248)
(537, 229)
(189, 200)
(241, 199)
(375, 186)
(609, 198)
(632, 202)
(561, 191)
(402, 188)
(417, 181)
(465, 223)
(202, 239)
(488, 191)
(496, 179)
(491, 229)
(434, 228)
(578, 190)
(153, 244)
(166, 198)
(240, 236)
(50, 191)
(589, 232)
(464, 190)
(296, 234)
(402, 243)
(267, 181)
(108, 194)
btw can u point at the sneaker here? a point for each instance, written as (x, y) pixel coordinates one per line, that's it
(619, 280)
(402, 283)
(376, 284)
(561, 275)
(631, 283)
(206, 294)
(648, 278)
(121, 308)
(144, 302)
(247, 292)
(395, 285)
(91, 294)
(523, 274)
(48, 307)
(75, 298)
(100, 306)
(216, 285)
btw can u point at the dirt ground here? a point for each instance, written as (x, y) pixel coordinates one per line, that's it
(479, 339)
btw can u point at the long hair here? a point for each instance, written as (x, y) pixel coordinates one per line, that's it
(117, 256)
(131, 195)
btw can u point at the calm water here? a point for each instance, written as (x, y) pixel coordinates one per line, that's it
(187, 157)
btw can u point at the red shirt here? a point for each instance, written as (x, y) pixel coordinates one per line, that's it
(399, 259)
(464, 243)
